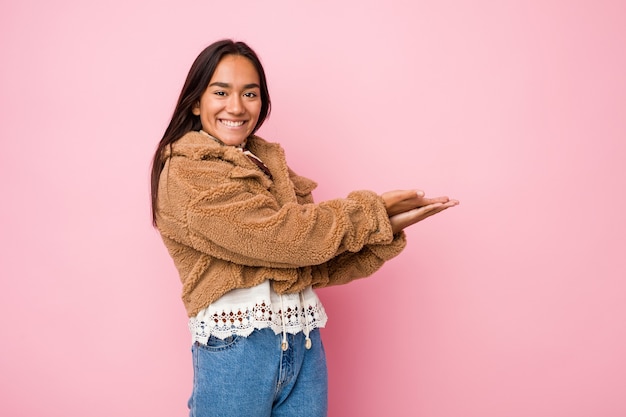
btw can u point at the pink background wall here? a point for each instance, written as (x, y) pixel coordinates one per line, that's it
(513, 304)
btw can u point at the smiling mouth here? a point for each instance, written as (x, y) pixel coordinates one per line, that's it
(232, 123)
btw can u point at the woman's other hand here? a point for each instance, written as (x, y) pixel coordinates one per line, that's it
(407, 207)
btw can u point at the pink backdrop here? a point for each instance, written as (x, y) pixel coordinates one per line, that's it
(513, 304)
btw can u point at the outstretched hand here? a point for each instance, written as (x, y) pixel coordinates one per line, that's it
(407, 207)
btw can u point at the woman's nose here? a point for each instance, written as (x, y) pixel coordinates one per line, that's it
(235, 105)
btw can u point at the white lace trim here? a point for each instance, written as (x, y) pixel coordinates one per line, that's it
(241, 320)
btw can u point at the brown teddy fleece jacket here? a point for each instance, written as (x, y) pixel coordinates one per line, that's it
(227, 225)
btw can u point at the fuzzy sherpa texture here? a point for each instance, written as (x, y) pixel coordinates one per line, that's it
(227, 225)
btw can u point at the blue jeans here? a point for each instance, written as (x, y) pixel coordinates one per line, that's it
(252, 377)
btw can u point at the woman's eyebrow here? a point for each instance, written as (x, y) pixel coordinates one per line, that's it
(226, 85)
(219, 84)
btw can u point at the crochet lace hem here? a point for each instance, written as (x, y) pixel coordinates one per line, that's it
(244, 320)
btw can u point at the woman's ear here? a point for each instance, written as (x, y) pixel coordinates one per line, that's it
(196, 109)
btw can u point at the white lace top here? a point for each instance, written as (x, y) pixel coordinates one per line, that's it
(240, 311)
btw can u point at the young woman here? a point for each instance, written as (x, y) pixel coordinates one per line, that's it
(250, 244)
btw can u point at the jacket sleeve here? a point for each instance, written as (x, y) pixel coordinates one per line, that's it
(349, 266)
(240, 221)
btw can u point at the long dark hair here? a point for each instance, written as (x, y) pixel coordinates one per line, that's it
(183, 120)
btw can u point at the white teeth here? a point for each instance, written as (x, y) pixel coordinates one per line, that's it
(231, 123)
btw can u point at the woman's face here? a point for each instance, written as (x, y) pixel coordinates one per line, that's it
(229, 108)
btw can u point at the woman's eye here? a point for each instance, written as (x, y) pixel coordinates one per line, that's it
(250, 95)
(220, 93)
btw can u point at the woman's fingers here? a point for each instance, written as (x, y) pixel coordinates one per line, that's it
(399, 201)
(410, 217)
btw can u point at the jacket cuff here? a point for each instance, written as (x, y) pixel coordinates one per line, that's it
(376, 214)
(390, 250)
